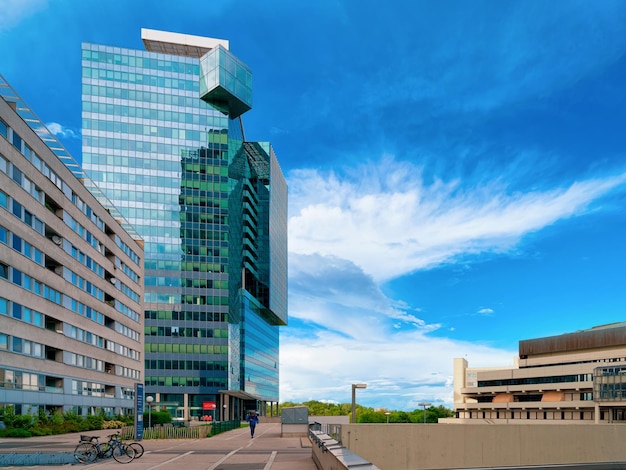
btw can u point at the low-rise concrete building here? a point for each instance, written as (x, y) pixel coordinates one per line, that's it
(572, 378)
(71, 280)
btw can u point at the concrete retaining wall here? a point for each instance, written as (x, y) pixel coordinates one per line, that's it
(442, 446)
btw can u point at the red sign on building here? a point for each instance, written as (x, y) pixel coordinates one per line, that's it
(208, 405)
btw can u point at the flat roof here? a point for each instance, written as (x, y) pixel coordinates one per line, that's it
(179, 44)
(604, 336)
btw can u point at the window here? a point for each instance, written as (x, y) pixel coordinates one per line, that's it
(4, 271)
(3, 129)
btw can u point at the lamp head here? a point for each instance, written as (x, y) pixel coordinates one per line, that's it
(359, 385)
(149, 399)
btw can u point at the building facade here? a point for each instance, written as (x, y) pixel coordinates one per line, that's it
(571, 378)
(163, 137)
(71, 280)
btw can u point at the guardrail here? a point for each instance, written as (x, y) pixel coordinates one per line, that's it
(328, 453)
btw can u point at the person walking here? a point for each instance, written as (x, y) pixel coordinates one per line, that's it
(253, 419)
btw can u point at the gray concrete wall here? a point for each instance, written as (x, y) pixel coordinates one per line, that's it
(441, 446)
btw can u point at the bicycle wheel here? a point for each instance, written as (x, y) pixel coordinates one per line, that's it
(123, 453)
(85, 452)
(138, 449)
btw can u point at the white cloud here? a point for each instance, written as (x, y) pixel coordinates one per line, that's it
(400, 369)
(389, 222)
(60, 131)
(13, 11)
(348, 234)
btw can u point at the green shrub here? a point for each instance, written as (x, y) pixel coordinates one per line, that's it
(23, 422)
(18, 432)
(94, 422)
(157, 417)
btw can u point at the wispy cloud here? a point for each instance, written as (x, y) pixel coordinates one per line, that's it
(351, 231)
(386, 220)
(63, 132)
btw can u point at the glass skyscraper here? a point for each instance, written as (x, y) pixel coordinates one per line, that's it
(163, 138)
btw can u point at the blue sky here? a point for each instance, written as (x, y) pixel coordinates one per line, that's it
(456, 170)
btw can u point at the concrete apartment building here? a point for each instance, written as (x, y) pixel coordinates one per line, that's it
(163, 137)
(71, 279)
(574, 378)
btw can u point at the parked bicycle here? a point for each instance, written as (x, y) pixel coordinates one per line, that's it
(89, 449)
(137, 447)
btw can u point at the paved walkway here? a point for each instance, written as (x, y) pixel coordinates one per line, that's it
(233, 450)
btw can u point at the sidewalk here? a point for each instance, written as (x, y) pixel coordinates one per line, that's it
(232, 449)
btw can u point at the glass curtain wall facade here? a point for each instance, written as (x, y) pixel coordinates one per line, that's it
(164, 157)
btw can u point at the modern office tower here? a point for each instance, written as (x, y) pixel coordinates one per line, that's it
(71, 280)
(163, 138)
(572, 378)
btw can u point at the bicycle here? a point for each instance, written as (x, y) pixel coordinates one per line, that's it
(137, 447)
(89, 449)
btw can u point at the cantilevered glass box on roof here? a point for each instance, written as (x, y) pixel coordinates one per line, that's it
(225, 82)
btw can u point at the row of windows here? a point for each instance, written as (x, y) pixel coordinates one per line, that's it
(27, 315)
(193, 299)
(86, 311)
(86, 209)
(126, 331)
(126, 249)
(16, 174)
(185, 283)
(127, 270)
(127, 311)
(86, 362)
(87, 286)
(92, 314)
(20, 312)
(82, 258)
(183, 348)
(177, 331)
(201, 316)
(92, 389)
(133, 58)
(21, 213)
(159, 381)
(21, 246)
(185, 105)
(21, 346)
(138, 78)
(166, 364)
(30, 284)
(148, 146)
(10, 378)
(163, 116)
(164, 160)
(537, 380)
(83, 232)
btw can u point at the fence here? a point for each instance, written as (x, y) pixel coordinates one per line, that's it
(168, 432)
(223, 426)
(172, 432)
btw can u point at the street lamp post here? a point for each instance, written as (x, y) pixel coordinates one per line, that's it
(424, 404)
(354, 387)
(149, 400)
(387, 413)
